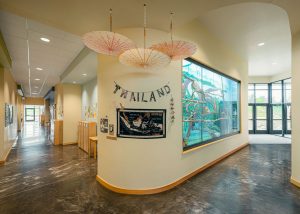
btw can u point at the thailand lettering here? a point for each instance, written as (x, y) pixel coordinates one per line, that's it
(149, 96)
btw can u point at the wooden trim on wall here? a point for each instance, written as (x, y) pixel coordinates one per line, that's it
(69, 143)
(2, 162)
(295, 182)
(169, 186)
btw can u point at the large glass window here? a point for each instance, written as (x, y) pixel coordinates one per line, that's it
(261, 93)
(29, 114)
(261, 118)
(276, 92)
(251, 93)
(269, 107)
(287, 84)
(210, 105)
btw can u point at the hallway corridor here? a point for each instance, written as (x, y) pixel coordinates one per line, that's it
(42, 178)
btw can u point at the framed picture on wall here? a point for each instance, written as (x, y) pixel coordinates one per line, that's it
(104, 125)
(7, 115)
(11, 114)
(141, 123)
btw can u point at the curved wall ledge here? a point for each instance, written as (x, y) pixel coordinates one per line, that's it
(295, 182)
(171, 185)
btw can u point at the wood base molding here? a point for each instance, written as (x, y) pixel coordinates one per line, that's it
(69, 143)
(2, 162)
(295, 182)
(169, 186)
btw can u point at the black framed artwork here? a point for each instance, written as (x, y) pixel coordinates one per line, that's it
(141, 123)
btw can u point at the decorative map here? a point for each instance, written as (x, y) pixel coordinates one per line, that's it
(210, 105)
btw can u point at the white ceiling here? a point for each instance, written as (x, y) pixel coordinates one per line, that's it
(52, 57)
(87, 66)
(243, 26)
(81, 16)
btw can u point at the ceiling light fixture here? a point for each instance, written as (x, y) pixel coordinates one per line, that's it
(178, 49)
(44, 39)
(144, 57)
(84, 74)
(74, 82)
(39, 69)
(36, 87)
(261, 44)
(107, 42)
(37, 79)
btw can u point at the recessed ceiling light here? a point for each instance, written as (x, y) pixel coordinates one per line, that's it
(39, 69)
(74, 82)
(34, 93)
(84, 74)
(36, 87)
(37, 79)
(261, 44)
(45, 39)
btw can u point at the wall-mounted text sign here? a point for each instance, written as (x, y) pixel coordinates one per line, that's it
(146, 96)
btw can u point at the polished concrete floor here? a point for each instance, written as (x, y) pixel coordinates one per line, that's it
(41, 178)
(268, 139)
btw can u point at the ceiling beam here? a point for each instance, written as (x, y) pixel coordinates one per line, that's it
(82, 54)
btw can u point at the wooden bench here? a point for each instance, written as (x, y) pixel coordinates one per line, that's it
(93, 140)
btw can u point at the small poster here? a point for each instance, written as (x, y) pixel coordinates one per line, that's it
(141, 123)
(104, 125)
(111, 129)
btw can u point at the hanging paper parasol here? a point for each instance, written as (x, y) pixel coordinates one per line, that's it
(107, 42)
(144, 57)
(178, 49)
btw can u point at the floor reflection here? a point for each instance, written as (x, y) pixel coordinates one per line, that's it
(32, 129)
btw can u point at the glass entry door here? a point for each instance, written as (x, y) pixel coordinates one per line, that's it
(277, 118)
(288, 119)
(29, 114)
(251, 119)
(261, 119)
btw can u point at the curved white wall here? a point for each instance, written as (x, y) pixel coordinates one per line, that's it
(139, 164)
(295, 109)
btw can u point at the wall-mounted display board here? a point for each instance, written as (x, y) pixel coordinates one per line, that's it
(141, 123)
(210, 105)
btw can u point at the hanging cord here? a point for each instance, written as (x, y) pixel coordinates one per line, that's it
(171, 25)
(145, 23)
(110, 20)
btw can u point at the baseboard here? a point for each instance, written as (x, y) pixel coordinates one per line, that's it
(295, 182)
(69, 143)
(2, 162)
(169, 186)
